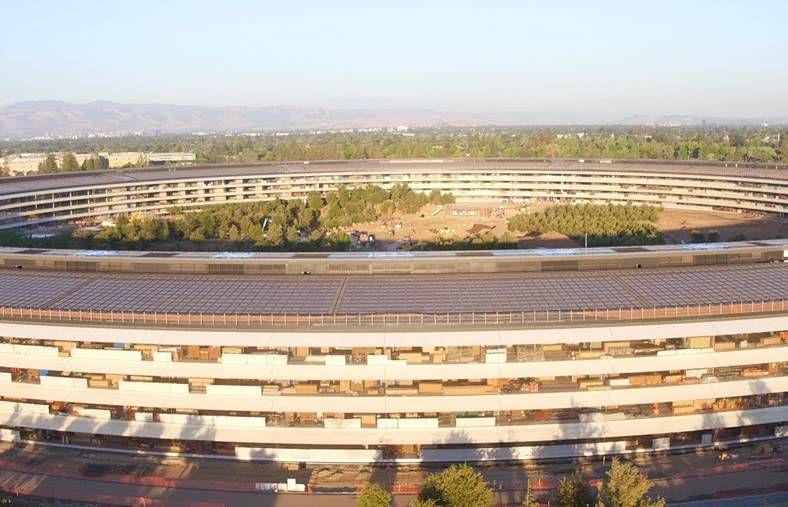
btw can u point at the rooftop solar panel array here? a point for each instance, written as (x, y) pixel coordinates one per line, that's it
(23, 290)
(710, 286)
(483, 294)
(316, 295)
(183, 294)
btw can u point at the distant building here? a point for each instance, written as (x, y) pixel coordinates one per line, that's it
(127, 158)
(123, 158)
(27, 163)
(175, 156)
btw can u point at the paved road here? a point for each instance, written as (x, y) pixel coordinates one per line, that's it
(67, 472)
(773, 499)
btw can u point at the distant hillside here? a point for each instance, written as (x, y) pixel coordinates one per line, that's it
(680, 120)
(56, 118)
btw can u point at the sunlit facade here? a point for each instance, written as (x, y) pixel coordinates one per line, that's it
(41, 199)
(444, 356)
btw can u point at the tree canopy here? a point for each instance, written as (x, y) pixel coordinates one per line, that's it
(373, 495)
(752, 144)
(626, 486)
(69, 162)
(605, 225)
(49, 164)
(574, 491)
(457, 486)
(94, 163)
(310, 224)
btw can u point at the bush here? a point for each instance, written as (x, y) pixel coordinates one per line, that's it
(457, 486)
(373, 495)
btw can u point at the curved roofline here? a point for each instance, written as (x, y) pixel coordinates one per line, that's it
(15, 185)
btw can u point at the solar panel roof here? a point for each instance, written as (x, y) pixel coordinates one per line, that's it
(293, 294)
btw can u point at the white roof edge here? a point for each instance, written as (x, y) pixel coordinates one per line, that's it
(436, 337)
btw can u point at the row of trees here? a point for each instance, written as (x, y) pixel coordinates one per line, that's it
(748, 144)
(605, 225)
(310, 224)
(69, 163)
(462, 486)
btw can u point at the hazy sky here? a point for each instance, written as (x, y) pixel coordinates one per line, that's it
(594, 59)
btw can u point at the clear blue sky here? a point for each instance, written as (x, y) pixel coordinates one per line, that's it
(597, 59)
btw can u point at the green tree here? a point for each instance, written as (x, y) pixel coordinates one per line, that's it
(604, 225)
(48, 165)
(626, 486)
(529, 500)
(313, 200)
(149, 229)
(457, 486)
(275, 234)
(233, 234)
(574, 491)
(292, 235)
(373, 495)
(94, 163)
(69, 162)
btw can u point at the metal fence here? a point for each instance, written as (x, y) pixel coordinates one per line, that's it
(379, 320)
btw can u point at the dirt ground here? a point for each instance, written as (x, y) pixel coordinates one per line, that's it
(432, 224)
(677, 225)
(425, 226)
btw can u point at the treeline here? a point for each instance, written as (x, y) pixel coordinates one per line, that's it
(741, 144)
(69, 163)
(604, 225)
(312, 224)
